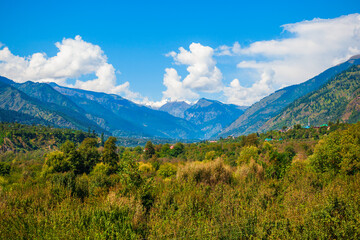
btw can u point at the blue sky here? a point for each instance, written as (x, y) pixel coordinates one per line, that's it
(136, 37)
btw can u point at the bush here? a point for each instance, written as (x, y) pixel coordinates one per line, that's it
(250, 171)
(4, 168)
(167, 170)
(247, 153)
(209, 173)
(338, 152)
(56, 162)
(146, 168)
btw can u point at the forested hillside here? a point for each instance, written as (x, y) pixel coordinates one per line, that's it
(339, 99)
(259, 113)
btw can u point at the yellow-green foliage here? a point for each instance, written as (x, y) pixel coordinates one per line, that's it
(339, 152)
(100, 169)
(267, 196)
(209, 173)
(210, 155)
(247, 153)
(251, 170)
(56, 162)
(146, 167)
(167, 170)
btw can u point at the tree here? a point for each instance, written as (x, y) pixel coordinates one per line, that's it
(250, 140)
(339, 152)
(149, 150)
(129, 171)
(73, 156)
(102, 141)
(177, 150)
(55, 161)
(110, 156)
(89, 153)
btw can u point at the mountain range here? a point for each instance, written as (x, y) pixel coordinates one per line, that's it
(210, 116)
(332, 95)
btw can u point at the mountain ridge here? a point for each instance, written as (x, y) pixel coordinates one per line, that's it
(260, 112)
(338, 99)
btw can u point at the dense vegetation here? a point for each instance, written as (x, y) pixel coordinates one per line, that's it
(299, 183)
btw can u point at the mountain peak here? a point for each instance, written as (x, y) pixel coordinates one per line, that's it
(176, 108)
(203, 102)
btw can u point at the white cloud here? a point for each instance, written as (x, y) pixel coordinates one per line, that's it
(175, 87)
(243, 96)
(224, 50)
(203, 75)
(74, 59)
(312, 47)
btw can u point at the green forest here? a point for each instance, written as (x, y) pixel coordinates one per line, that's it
(297, 183)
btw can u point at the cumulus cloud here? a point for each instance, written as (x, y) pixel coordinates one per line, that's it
(175, 87)
(203, 75)
(75, 58)
(312, 47)
(243, 96)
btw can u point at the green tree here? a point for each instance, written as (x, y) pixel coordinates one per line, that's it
(247, 153)
(338, 152)
(90, 154)
(178, 149)
(73, 156)
(110, 156)
(167, 170)
(129, 171)
(149, 150)
(102, 141)
(56, 162)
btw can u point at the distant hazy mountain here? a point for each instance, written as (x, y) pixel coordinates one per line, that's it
(209, 116)
(212, 116)
(176, 109)
(50, 104)
(338, 99)
(259, 113)
(125, 118)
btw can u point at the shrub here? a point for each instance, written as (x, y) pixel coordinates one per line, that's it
(338, 152)
(210, 155)
(146, 168)
(167, 170)
(247, 153)
(250, 171)
(4, 168)
(56, 162)
(209, 173)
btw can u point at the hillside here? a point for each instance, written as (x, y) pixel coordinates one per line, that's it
(17, 106)
(339, 99)
(259, 113)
